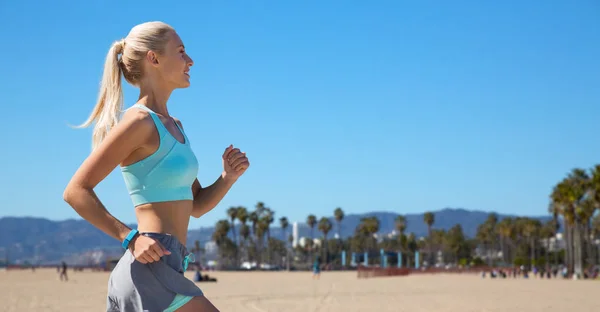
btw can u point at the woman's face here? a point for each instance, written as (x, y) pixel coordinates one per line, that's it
(174, 64)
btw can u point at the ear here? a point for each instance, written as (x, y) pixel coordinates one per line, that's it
(152, 58)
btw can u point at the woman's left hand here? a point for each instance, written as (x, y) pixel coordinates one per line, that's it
(235, 163)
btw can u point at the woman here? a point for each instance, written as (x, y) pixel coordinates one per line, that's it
(159, 169)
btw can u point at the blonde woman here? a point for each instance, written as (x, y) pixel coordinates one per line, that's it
(159, 168)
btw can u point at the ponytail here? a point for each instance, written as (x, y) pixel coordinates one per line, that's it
(110, 99)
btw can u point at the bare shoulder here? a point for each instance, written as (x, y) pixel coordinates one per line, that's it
(137, 118)
(133, 131)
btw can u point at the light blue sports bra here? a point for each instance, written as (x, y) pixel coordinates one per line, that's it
(167, 174)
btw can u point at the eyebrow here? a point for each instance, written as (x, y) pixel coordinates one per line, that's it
(181, 45)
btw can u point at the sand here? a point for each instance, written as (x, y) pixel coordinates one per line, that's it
(335, 292)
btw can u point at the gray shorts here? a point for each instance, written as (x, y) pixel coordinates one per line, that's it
(134, 286)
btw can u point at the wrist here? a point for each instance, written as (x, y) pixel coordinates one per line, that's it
(129, 239)
(131, 244)
(123, 234)
(228, 178)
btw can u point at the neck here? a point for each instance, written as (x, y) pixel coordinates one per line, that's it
(155, 97)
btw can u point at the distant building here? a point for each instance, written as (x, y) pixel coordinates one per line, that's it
(295, 234)
(210, 247)
(555, 243)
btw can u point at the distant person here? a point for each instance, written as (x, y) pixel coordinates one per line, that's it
(317, 268)
(159, 168)
(203, 278)
(63, 272)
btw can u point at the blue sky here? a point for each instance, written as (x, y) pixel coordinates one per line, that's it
(400, 106)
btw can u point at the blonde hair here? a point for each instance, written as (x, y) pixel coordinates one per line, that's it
(124, 57)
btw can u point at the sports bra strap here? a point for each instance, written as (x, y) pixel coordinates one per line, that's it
(166, 141)
(159, 125)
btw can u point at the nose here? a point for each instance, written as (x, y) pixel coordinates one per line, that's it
(190, 62)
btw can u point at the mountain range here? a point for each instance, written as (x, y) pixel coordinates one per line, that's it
(30, 239)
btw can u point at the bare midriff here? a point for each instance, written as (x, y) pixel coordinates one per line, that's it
(165, 217)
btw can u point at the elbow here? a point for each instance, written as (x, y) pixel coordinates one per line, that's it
(196, 213)
(200, 210)
(68, 194)
(71, 193)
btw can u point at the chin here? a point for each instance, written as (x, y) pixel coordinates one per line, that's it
(184, 84)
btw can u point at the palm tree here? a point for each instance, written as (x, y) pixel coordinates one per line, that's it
(568, 197)
(492, 220)
(595, 220)
(531, 230)
(595, 234)
(338, 213)
(489, 226)
(554, 209)
(261, 229)
(221, 230)
(561, 206)
(245, 233)
(413, 247)
(455, 240)
(260, 208)
(253, 217)
(267, 218)
(283, 223)
(220, 236)
(270, 218)
(585, 214)
(232, 214)
(325, 226)
(400, 224)
(242, 216)
(547, 233)
(368, 227)
(579, 186)
(484, 238)
(429, 219)
(505, 230)
(311, 221)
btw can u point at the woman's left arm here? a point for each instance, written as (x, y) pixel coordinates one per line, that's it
(205, 199)
(235, 163)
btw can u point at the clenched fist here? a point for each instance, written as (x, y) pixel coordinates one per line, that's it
(147, 250)
(235, 163)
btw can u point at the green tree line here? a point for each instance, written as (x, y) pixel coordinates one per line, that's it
(512, 241)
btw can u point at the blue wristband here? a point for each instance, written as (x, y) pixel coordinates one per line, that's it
(128, 239)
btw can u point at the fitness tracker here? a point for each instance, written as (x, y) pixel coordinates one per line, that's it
(128, 239)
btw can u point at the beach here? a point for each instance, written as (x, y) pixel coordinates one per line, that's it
(297, 291)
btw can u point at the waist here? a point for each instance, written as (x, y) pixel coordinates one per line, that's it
(169, 241)
(165, 217)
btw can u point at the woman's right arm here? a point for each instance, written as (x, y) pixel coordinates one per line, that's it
(128, 135)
